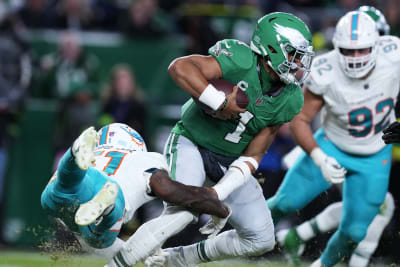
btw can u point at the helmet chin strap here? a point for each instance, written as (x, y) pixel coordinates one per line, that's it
(277, 73)
(287, 78)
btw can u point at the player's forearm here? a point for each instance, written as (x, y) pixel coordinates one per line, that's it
(303, 134)
(207, 202)
(239, 173)
(198, 199)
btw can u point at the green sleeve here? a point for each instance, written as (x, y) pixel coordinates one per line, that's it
(232, 55)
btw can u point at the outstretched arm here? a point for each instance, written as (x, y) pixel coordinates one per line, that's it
(198, 199)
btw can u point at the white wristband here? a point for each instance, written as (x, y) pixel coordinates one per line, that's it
(251, 160)
(212, 97)
(237, 175)
(317, 156)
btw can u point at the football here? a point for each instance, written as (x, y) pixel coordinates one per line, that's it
(227, 87)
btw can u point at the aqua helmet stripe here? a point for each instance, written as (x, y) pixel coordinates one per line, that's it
(354, 27)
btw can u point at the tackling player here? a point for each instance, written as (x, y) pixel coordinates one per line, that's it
(234, 140)
(356, 90)
(94, 201)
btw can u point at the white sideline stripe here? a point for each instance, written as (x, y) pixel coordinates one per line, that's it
(93, 38)
(170, 152)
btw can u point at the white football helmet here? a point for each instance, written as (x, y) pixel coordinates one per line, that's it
(120, 136)
(356, 30)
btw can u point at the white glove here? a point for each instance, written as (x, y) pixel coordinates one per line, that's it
(331, 170)
(158, 259)
(214, 225)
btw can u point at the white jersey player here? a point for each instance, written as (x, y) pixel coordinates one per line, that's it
(357, 110)
(355, 86)
(94, 201)
(293, 239)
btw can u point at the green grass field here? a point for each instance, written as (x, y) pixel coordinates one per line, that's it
(37, 259)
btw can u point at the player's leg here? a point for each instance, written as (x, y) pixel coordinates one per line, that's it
(367, 247)
(186, 166)
(107, 252)
(293, 239)
(252, 221)
(103, 202)
(253, 234)
(73, 165)
(363, 192)
(99, 206)
(184, 161)
(76, 183)
(151, 235)
(302, 183)
(104, 209)
(63, 189)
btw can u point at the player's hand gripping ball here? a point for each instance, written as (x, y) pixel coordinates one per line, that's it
(227, 87)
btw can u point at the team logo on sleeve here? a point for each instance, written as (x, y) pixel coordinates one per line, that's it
(218, 50)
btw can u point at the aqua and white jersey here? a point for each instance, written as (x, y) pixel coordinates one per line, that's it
(132, 171)
(357, 110)
(122, 154)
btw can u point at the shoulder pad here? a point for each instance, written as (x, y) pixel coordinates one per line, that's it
(389, 48)
(290, 106)
(322, 71)
(235, 52)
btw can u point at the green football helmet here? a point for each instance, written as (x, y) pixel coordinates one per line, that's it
(380, 20)
(281, 38)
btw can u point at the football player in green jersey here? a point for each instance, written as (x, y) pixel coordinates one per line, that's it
(228, 145)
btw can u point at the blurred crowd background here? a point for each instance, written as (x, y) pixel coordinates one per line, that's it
(69, 64)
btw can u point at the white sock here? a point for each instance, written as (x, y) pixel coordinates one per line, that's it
(329, 218)
(358, 261)
(305, 231)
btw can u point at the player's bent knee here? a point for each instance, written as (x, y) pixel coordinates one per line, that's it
(259, 243)
(264, 246)
(259, 247)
